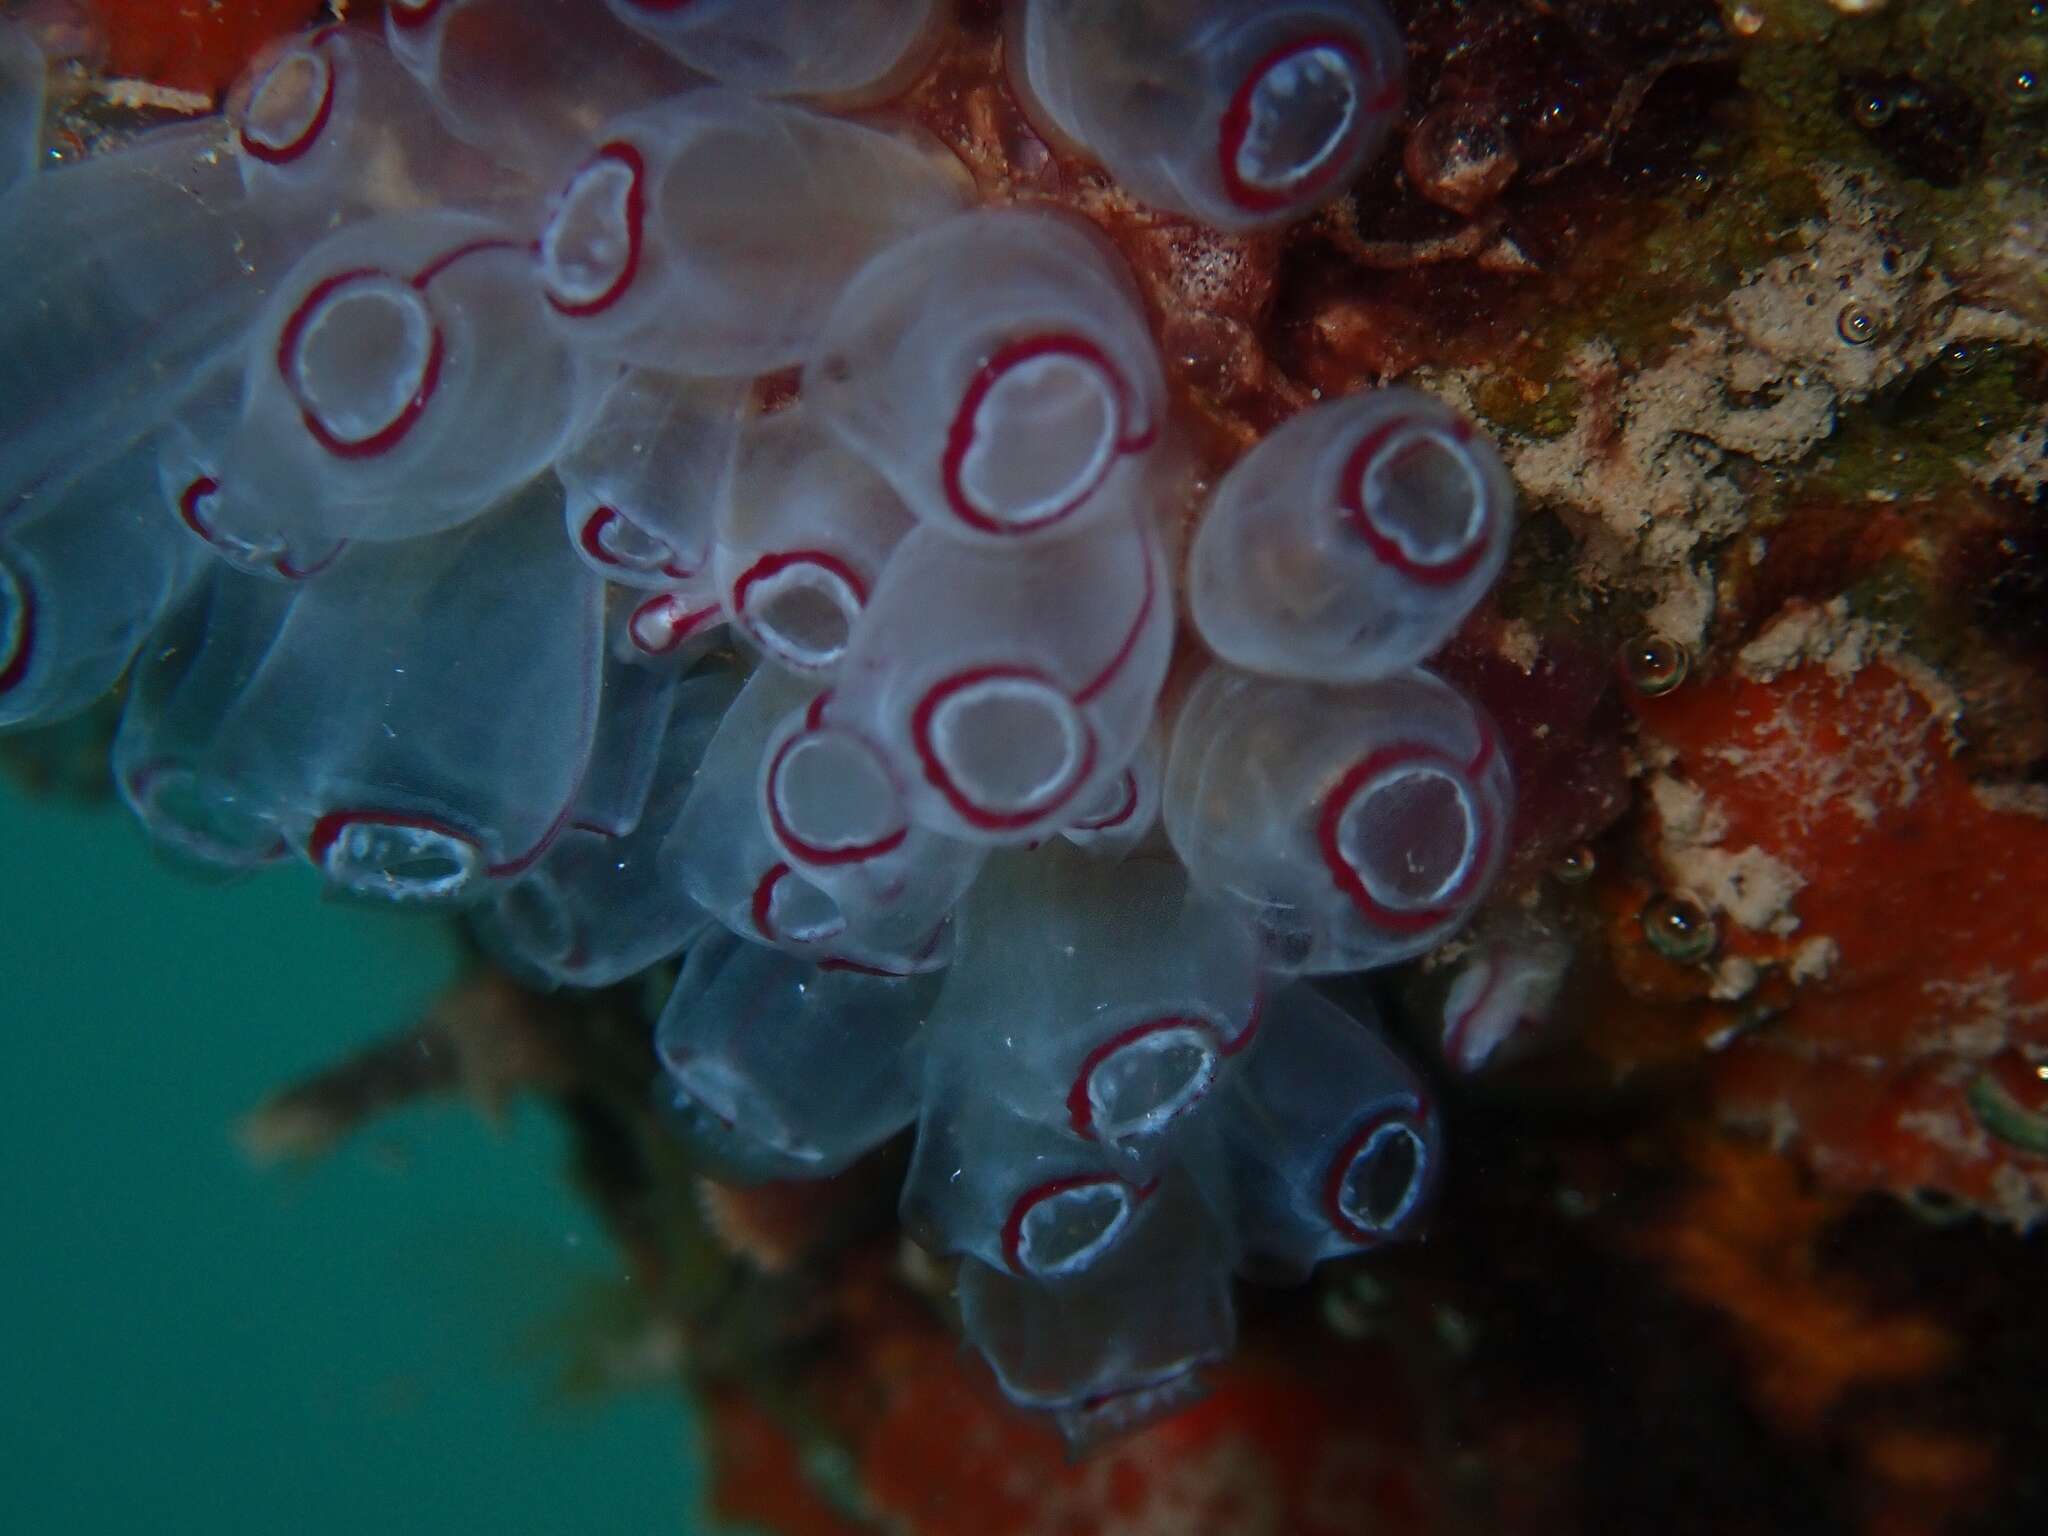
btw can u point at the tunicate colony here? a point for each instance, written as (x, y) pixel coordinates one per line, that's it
(399, 440)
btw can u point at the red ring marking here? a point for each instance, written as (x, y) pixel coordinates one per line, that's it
(1461, 1026)
(1482, 756)
(205, 486)
(447, 259)
(782, 560)
(328, 829)
(392, 432)
(973, 813)
(1340, 1165)
(860, 968)
(1101, 681)
(1352, 884)
(1031, 1199)
(412, 15)
(682, 625)
(520, 863)
(761, 908)
(802, 848)
(591, 538)
(18, 660)
(202, 487)
(1236, 124)
(308, 136)
(629, 156)
(1081, 1109)
(1440, 573)
(1117, 817)
(331, 825)
(961, 433)
(290, 572)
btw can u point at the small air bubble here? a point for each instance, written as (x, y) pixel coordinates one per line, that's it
(1872, 109)
(1958, 358)
(1576, 867)
(2023, 89)
(1656, 664)
(1858, 326)
(1679, 928)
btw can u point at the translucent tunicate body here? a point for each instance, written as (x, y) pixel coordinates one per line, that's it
(402, 380)
(1358, 825)
(711, 233)
(1109, 999)
(384, 732)
(598, 906)
(1352, 542)
(636, 708)
(182, 687)
(776, 1068)
(1239, 113)
(528, 81)
(1327, 1143)
(1115, 1341)
(788, 47)
(838, 812)
(804, 530)
(646, 474)
(21, 103)
(680, 529)
(328, 125)
(1012, 687)
(997, 369)
(1125, 811)
(126, 275)
(192, 455)
(671, 626)
(1014, 1191)
(84, 576)
(722, 853)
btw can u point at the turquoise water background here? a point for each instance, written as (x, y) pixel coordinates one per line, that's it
(190, 1344)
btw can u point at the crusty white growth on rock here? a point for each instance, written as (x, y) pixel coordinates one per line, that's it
(2016, 462)
(1810, 632)
(1748, 885)
(1644, 474)
(146, 93)
(1978, 1016)
(1829, 635)
(1814, 959)
(1801, 310)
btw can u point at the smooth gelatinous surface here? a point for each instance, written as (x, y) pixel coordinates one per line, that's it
(1235, 112)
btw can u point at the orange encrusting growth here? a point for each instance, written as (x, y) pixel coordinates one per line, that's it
(934, 1450)
(193, 45)
(1744, 1243)
(1932, 957)
(1821, 1351)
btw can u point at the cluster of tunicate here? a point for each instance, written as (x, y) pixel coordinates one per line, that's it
(402, 440)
